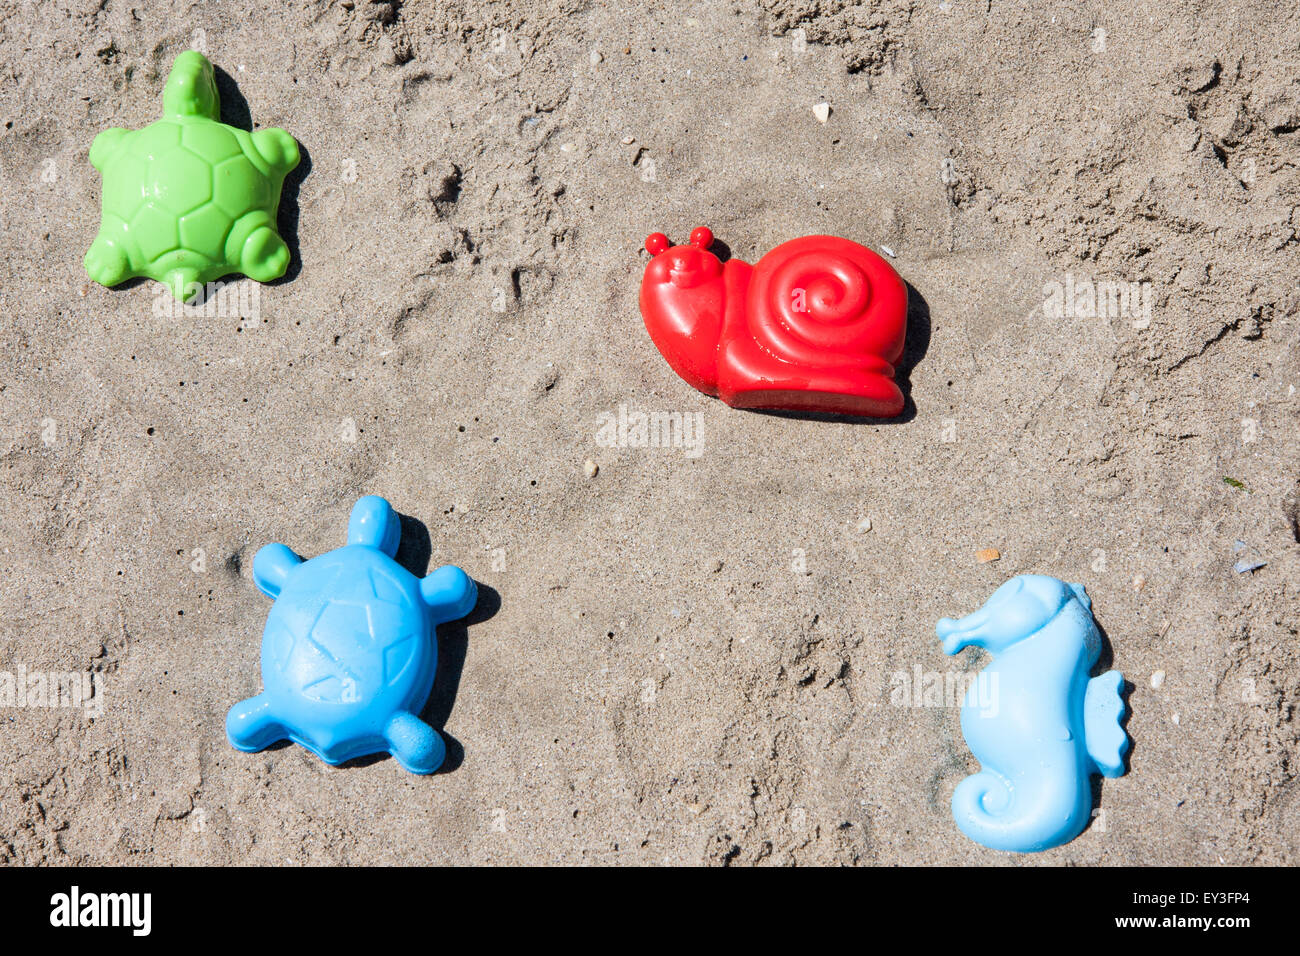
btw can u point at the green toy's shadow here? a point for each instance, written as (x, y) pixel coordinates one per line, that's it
(131, 283)
(287, 220)
(234, 108)
(235, 112)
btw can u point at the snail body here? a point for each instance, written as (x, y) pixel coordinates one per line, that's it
(816, 325)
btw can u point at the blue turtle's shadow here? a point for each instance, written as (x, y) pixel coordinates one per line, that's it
(915, 345)
(453, 644)
(413, 553)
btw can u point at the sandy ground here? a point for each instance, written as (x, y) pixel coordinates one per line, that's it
(687, 658)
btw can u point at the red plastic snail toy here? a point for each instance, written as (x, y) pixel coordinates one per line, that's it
(816, 326)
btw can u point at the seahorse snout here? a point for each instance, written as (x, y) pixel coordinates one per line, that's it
(1014, 611)
(957, 633)
(954, 632)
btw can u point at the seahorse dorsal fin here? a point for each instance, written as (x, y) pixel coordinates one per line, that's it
(1103, 709)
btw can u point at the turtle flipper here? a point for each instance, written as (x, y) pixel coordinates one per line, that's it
(449, 592)
(106, 262)
(103, 146)
(251, 727)
(278, 148)
(271, 567)
(417, 746)
(264, 256)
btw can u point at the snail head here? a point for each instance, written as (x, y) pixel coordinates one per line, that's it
(683, 266)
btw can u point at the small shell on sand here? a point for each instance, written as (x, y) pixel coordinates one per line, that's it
(985, 555)
(822, 111)
(590, 468)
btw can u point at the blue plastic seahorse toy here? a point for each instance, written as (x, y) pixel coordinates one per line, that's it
(1039, 726)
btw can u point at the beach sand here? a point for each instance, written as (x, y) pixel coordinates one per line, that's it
(693, 657)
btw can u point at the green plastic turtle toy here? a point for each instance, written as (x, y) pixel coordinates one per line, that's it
(189, 199)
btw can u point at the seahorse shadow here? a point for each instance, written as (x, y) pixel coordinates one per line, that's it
(914, 349)
(414, 552)
(235, 112)
(1105, 661)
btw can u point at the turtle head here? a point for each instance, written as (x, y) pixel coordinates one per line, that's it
(375, 524)
(192, 87)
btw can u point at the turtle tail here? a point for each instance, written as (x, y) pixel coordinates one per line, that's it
(184, 283)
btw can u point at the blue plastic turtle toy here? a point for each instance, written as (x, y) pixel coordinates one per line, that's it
(349, 650)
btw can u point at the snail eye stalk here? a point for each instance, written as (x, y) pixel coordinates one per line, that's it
(702, 237)
(656, 243)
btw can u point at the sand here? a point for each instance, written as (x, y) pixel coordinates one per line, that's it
(688, 657)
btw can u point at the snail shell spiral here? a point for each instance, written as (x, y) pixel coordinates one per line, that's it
(826, 302)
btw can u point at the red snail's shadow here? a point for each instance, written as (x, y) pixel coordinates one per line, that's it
(235, 112)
